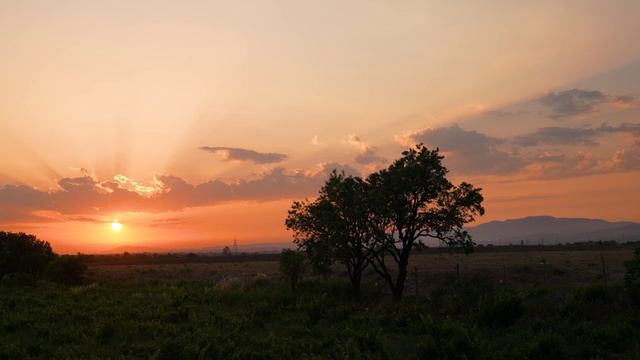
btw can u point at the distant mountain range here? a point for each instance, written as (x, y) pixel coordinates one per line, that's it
(547, 230)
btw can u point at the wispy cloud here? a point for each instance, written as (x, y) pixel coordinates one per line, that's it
(556, 135)
(368, 154)
(240, 154)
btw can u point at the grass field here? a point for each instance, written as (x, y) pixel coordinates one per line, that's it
(564, 267)
(242, 310)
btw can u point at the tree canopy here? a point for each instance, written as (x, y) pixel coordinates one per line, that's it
(378, 220)
(23, 253)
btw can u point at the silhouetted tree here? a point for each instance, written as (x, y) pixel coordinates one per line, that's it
(334, 227)
(309, 233)
(23, 253)
(226, 251)
(412, 200)
(292, 266)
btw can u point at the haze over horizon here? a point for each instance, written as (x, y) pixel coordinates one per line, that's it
(195, 123)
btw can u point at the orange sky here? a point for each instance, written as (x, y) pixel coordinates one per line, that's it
(197, 122)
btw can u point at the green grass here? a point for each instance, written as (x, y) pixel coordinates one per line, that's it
(262, 319)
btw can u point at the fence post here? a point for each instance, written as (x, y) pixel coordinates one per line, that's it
(458, 270)
(544, 266)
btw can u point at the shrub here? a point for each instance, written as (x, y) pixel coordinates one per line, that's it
(504, 308)
(23, 253)
(66, 269)
(458, 296)
(547, 346)
(292, 266)
(447, 339)
(586, 302)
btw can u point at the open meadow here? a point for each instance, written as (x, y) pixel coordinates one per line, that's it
(567, 265)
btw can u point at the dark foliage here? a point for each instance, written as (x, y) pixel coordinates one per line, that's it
(335, 227)
(379, 220)
(632, 277)
(192, 320)
(292, 266)
(23, 253)
(66, 269)
(503, 308)
(412, 200)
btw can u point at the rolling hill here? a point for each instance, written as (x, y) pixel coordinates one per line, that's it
(535, 230)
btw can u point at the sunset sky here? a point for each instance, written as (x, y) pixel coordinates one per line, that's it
(196, 122)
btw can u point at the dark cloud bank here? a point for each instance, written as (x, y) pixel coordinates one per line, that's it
(474, 153)
(575, 102)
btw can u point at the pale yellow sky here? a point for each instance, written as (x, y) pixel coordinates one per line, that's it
(136, 88)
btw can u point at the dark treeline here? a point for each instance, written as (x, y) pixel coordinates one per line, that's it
(174, 258)
(27, 258)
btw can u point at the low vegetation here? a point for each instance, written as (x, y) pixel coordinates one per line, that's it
(466, 317)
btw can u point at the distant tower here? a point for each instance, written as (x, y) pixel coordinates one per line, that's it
(235, 246)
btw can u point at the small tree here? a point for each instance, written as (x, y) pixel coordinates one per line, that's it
(226, 251)
(335, 226)
(412, 200)
(23, 253)
(292, 266)
(66, 269)
(309, 234)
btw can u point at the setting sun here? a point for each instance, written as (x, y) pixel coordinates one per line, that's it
(116, 225)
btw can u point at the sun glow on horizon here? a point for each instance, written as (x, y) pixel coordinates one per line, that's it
(116, 226)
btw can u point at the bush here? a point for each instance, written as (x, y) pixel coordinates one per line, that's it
(547, 346)
(504, 308)
(586, 302)
(459, 296)
(66, 269)
(23, 253)
(447, 339)
(292, 266)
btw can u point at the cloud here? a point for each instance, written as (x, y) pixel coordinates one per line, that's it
(315, 141)
(584, 163)
(575, 102)
(468, 151)
(529, 156)
(239, 154)
(369, 156)
(368, 153)
(88, 197)
(555, 135)
(558, 136)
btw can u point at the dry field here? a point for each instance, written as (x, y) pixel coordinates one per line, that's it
(521, 268)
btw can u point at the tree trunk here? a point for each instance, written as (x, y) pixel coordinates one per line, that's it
(398, 288)
(355, 275)
(355, 283)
